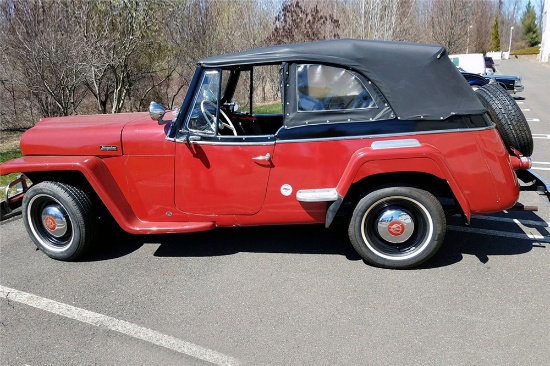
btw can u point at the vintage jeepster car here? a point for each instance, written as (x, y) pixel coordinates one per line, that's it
(388, 135)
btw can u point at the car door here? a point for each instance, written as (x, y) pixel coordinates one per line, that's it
(218, 171)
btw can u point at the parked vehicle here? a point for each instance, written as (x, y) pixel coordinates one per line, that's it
(470, 62)
(490, 64)
(512, 84)
(386, 135)
(475, 80)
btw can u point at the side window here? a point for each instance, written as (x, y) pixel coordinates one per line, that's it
(325, 88)
(254, 105)
(203, 115)
(264, 92)
(267, 93)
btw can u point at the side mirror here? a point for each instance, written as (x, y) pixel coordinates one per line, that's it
(156, 111)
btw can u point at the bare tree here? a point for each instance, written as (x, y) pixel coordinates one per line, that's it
(482, 20)
(45, 54)
(297, 23)
(63, 57)
(448, 23)
(127, 49)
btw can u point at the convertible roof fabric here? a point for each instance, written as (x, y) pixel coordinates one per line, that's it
(419, 81)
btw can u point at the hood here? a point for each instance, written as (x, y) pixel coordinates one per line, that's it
(94, 135)
(502, 77)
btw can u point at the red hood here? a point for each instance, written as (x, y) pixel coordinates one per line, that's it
(79, 135)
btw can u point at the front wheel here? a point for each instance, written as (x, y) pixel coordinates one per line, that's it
(60, 220)
(397, 227)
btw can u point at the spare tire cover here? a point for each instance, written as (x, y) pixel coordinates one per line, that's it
(508, 117)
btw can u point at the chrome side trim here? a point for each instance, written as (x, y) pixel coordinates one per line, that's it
(317, 195)
(394, 144)
(227, 143)
(358, 137)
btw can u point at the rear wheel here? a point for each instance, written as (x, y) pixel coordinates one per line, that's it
(397, 227)
(59, 218)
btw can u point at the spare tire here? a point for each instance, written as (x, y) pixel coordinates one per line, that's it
(508, 117)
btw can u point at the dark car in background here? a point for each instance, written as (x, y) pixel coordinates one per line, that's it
(490, 63)
(512, 84)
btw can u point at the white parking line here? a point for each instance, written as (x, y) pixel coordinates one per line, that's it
(533, 120)
(537, 237)
(541, 136)
(535, 167)
(526, 110)
(519, 102)
(510, 220)
(121, 326)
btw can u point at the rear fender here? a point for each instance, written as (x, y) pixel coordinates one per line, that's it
(416, 158)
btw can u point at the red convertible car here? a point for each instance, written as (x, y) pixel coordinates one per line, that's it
(387, 135)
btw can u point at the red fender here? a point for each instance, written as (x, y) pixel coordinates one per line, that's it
(98, 175)
(418, 159)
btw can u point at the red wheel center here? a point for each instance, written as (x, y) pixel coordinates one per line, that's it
(396, 228)
(50, 223)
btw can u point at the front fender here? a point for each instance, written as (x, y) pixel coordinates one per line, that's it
(417, 158)
(100, 178)
(94, 170)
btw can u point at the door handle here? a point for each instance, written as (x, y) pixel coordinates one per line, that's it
(266, 157)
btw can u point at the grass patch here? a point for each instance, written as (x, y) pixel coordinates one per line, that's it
(6, 179)
(9, 155)
(8, 151)
(275, 108)
(527, 51)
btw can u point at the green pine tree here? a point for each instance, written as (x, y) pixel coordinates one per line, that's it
(495, 37)
(529, 28)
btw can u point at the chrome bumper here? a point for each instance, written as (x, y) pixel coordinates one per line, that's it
(11, 203)
(518, 88)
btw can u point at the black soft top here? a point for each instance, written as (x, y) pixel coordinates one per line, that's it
(419, 81)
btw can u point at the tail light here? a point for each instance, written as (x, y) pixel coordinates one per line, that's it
(519, 161)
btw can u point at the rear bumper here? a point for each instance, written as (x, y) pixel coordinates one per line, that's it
(533, 182)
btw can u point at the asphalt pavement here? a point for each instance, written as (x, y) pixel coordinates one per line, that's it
(290, 295)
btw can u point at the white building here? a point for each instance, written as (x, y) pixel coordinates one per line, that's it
(545, 27)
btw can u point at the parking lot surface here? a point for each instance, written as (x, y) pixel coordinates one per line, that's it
(290, 295)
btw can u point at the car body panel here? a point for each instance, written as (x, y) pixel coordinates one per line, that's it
(78, 135)
(220, 179)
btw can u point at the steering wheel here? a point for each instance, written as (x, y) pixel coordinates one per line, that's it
(212, 118)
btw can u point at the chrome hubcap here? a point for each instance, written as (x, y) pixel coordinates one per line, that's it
(394, 225)
(54, 220)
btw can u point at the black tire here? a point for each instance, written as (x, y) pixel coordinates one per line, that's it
(397, 227)
(60, 219)
(508, 117)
